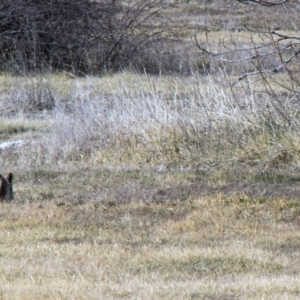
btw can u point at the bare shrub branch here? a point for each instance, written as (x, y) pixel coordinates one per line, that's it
(280, 48)
(77, 35)
(268, 52)
(262, 2)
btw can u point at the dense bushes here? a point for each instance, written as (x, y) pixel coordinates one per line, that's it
(81, 36)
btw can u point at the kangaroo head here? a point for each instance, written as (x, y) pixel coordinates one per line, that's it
(6, 190)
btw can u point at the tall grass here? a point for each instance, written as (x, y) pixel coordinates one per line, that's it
(163, 120)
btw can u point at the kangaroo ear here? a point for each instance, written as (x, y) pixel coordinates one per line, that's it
(10, 177)
(3, 183)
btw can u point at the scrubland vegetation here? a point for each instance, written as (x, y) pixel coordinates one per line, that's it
(173, 181)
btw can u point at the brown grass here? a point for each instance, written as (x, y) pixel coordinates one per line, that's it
(221, 247)
(95, 237)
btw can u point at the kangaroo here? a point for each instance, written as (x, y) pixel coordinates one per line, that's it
(6, 190)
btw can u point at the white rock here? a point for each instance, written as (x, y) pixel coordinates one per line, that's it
(12, 144)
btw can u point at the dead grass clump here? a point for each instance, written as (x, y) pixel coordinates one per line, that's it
(34, 98)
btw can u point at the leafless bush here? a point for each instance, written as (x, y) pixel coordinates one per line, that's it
(173, 56)
(81, 36)
(276, 53)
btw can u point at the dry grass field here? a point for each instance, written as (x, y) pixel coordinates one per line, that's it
(173, 186)
(96, 235)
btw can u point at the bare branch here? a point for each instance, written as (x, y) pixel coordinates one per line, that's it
(285, 47)
(78, 36)
(262, 2)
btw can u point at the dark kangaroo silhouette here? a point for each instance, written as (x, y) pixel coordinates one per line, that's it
(6, 189)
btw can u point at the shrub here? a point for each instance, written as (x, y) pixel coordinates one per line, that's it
(80, 36)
